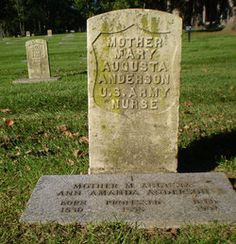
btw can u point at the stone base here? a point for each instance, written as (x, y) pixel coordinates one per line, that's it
(163, 200)
(25, 81)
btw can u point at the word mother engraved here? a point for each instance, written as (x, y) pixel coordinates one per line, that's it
(133, 76)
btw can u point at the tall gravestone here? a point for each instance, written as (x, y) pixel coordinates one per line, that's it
(133, 76)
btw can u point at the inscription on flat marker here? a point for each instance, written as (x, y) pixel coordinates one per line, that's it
(161, 200)
(134, 66)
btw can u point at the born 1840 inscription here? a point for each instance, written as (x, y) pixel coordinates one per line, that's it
(161, 200)
(134, 66)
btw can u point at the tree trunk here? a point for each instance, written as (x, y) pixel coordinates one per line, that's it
(39, 27)
(22, 28)
(1, 31)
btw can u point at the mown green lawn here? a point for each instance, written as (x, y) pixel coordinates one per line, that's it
(43, 130)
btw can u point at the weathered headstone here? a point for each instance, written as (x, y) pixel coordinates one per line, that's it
(133, 76)
(27, 33)
(37, 61)
(49, 32)
(150, 200)
(37, 57)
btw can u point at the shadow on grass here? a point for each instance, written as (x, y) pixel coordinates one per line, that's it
(202, 155)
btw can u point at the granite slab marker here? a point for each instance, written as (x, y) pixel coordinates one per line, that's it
(150, 200)
(133, 80)
(37, 62)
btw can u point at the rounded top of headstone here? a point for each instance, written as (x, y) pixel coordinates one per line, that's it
(145, 19)
(135, 11)
(35, 41)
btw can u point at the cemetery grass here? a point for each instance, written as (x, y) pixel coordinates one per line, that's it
(44, 131)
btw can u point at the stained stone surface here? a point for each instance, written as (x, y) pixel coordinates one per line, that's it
(133, 80)
(150, 200)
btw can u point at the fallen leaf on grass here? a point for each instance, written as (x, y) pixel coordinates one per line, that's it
(174, 232)
(76, 134)
(84, 139)
(28, 168)
(5, 110)
(9, 122)
(65, 130)
(188, 104)
(46, 148)
(79, 154)
(28, 152)
(14, 155)
(62, 128)
(67, 133)
(151, 231)
(45, 135)
(186, 127)
(70, 162)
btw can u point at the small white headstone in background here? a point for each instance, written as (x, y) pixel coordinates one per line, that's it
(37, 62)
(27, 33)
(49, 32)
(37, 57)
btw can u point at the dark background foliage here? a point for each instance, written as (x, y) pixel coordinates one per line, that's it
(17, 16)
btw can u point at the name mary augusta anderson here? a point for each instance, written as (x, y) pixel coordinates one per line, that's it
(134, 63)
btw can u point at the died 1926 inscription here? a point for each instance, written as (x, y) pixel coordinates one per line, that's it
(134, 65)
(161, 200)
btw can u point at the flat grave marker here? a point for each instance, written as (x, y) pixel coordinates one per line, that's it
(150, 200)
